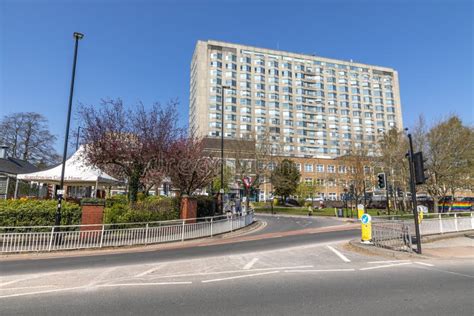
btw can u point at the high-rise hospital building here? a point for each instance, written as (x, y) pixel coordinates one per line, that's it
(308, 105)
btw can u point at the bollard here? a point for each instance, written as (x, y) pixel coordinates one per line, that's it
(456, 222)
(440, 223)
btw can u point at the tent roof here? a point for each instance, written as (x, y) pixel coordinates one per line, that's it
(77, 172)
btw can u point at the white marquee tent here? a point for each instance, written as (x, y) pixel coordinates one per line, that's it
(77, 173)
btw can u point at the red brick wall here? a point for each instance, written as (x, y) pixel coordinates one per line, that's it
(92, 214)
(188, 209)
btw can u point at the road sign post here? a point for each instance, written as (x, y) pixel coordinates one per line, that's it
(366, 222)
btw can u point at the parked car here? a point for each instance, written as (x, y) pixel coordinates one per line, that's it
(292, 202)
(315, 199)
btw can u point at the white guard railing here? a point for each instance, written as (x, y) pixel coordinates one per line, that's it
(396, 232)
(53, 238)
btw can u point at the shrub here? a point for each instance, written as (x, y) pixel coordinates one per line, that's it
(205, 206)
(152, 208)
(37, 213)
(116, 199)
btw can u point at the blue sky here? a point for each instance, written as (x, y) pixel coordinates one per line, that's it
(141, 50)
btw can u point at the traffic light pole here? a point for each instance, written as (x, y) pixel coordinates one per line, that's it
(413, 196)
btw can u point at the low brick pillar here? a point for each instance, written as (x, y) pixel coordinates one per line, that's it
(188, 209)
(92, 213)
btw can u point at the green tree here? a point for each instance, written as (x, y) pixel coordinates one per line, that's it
(228, 180)
(307, 190)
(449, 150)
(285, 178)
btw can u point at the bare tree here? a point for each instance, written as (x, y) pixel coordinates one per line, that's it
(188, 167)
(392, 149)
(359, 166)
(131, 143)
(27, 136)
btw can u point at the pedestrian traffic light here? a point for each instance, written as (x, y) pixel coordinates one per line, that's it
(419, 163)
(390, 189)
(351, 189)
(381, 181)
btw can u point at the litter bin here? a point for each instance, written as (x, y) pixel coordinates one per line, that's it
(340, 212)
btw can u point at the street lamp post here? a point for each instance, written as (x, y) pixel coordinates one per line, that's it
(77, 137)
(57, 220)
(222, 147)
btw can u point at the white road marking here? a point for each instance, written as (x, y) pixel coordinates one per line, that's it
(147, 272)
(446, 271)
(339, 254)
(424, 264)
(31, 277)
(144, 284)
(42, 292)
(27, 287)
(250, 264)
(239, 277)
(386, 266)
(389, 261)
(323, 270)
(228, 272)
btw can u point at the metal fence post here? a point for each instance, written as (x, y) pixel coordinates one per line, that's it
(231, 222)
(182, 233)
(211, 224)
(440, 223)
(102, 236)
(472, 221)
(146, 234)
(51, 239)
(456, 222)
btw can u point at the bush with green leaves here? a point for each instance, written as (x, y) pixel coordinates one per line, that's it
(149, 209)
(24, 212)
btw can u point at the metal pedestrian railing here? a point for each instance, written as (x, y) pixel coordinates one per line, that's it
(69, 237)
(397, 232)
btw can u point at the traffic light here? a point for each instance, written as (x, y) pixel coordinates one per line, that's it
(351, 189)
(381, 181)
(390, 190)
(399, 192)
(418, 163)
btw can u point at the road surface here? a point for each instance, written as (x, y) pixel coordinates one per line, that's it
(305, 274)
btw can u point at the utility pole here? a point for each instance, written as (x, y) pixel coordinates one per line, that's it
(413, 195)
(57, 219)
(222, 148)
(386, 193)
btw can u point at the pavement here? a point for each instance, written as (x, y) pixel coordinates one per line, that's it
(461, 247)
(279, 270)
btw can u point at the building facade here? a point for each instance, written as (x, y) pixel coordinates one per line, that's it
(306, 105)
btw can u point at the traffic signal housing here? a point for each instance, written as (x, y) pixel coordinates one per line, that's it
(381, 183)
(419, 165)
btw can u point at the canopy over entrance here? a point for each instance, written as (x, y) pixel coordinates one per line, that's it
(77, 173)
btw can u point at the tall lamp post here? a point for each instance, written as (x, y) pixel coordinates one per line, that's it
(57, 220)
(78, 137)
(223, 88)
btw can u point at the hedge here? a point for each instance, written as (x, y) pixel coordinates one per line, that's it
(153, 208)
(24, 212)
(37, 213)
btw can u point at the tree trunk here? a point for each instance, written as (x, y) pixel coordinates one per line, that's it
(133, 185)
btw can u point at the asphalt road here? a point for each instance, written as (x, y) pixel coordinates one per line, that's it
(275, 224)
(389, 289)
(305, 274)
